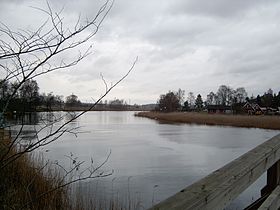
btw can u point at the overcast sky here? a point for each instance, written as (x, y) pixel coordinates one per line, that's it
(195, 45)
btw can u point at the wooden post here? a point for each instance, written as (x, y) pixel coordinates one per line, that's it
(273, 179)
(273, 201)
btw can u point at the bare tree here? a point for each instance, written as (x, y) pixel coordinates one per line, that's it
(211, 98)
(25, 55)
(240, 95)
(225, 95)
(181, 95)
(191, 99)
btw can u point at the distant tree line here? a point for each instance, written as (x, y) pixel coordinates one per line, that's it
(28, 99)
(225, 96)
(24, 98)
(268, 99)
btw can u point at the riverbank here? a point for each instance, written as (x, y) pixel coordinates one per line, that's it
(25, 179)
(30, 182)
(265, 122)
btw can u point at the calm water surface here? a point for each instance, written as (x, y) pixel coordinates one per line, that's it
(152, 161)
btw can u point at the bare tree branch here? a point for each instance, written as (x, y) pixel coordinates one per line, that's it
(26, 55)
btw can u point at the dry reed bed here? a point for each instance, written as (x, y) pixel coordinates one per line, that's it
(265, 122)
(26, 181)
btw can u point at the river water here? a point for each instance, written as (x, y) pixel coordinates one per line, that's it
(150, 160)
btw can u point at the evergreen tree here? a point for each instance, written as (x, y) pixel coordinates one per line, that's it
(198, 103)
(259, 100)
(186, 106)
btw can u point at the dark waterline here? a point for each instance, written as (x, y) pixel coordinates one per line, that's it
(152, 161)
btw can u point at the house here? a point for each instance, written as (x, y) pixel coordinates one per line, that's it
(272, 111)
(219, 109)
(278, 111)
(253, 108)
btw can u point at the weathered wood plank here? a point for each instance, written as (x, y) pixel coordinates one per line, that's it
(273, 200)
(222, 186)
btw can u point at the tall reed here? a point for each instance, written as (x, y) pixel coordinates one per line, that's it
(32, 183)
(248, 121)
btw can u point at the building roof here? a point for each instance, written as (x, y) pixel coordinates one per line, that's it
(218, 107)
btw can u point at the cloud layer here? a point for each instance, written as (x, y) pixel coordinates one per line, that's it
(194, 45)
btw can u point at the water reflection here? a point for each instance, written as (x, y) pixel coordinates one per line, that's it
(153, 160)
(29, 118)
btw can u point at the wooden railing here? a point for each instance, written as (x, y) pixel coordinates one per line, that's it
(220, 188)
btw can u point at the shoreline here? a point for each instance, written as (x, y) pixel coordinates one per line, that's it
(243, 121)
(29, 182)
(24, 181)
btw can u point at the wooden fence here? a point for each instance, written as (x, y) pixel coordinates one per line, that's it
(220, 188)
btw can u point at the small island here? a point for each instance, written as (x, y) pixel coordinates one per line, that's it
(227, 107)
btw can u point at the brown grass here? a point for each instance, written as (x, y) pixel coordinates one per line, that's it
(265, 122)
(24, 183)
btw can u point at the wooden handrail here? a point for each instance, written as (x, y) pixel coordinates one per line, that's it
(220, 188)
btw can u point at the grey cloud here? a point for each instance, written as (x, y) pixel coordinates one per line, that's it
(195, 45)
(217, 8)
(12, 1)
